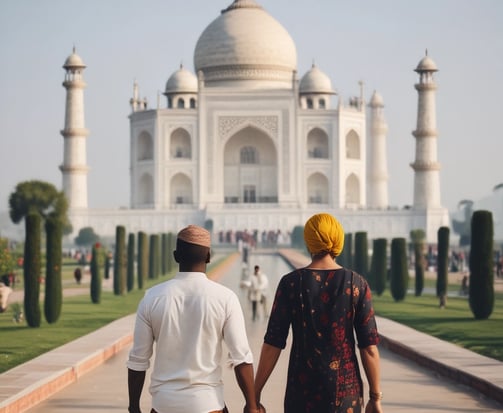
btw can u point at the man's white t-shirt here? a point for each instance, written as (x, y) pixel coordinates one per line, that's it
(188, 318)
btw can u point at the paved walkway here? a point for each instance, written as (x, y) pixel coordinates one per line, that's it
(83, 375)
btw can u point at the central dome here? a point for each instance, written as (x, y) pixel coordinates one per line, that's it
(245, 43)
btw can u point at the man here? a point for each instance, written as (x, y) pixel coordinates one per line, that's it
(188, 318)
(258, 291)
(5, 291)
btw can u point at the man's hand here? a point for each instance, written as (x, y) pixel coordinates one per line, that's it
(261, 409)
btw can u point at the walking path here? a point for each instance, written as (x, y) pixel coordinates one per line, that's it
(83, 375)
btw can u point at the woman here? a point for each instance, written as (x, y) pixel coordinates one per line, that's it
(324, 303)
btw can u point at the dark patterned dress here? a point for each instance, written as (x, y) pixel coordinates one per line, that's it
(323, 306)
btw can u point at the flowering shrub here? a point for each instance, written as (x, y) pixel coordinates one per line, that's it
(7, 261)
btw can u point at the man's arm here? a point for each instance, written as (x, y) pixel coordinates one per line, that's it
(136, 379)
(268, 359)
(244, 377)
(371, 365)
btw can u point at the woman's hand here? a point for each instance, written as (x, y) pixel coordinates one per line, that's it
(374, 406)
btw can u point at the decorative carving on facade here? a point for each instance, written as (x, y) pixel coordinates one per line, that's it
(228, 125)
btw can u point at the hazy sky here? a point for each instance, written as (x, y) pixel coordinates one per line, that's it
(378, 42)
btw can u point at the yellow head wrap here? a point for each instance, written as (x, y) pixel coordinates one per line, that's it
(323, 233)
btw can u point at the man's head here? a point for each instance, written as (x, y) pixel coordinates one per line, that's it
(323, 234)
(193, 246)
(256, 269)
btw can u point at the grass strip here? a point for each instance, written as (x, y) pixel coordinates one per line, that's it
(455, 323)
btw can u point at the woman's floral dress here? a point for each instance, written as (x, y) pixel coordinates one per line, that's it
(325, 309)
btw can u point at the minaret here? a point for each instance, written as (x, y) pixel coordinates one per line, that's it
(74, 167)
(426, 168)
(378, 167)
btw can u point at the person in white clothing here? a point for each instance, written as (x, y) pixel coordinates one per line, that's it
(259, 283)
(189, 317)
(5, 291)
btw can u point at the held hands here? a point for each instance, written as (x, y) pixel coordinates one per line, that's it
(374, 406)
(261, 409)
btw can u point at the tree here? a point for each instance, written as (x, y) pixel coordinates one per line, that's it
(34, 201)
(418, 237)
(86, 237)
(53, 299)
(361, 262)
(346, 257)
(31, 269)
(378, 267)
(154, 267)
(481, 288)
(165, 253)
(130, 262)
(37, 197)
(120, 261)
(442, 264)
(142, 258)
(297, 239)
(399, 272)
(97, 259)
(171, 248)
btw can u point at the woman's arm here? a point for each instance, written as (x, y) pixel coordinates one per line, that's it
(268, 358)
(371, 365)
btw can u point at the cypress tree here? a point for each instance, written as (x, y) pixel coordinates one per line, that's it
(481, 288)
(107, 265)
(361, 262)
(53, 285)
(142, 258)
(345, 258)
(442, 264)
(171, 248)
(399, 272)
(418, 236)
(151, 257)
(297, 238)
(164, 254)
(31, 270)
(130, 261)
(120, 260)
(157, 255)
(379, 266)
(96, 263)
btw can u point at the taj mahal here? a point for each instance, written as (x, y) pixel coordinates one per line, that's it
(247, 143)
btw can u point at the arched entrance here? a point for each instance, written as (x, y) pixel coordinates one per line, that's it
(250, 168)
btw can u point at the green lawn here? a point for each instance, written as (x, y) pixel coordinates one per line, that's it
(455, 323)
(79, 316)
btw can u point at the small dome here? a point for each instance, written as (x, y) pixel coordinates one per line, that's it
(315, 81)
(245, 43)
(426, 65)
(182, 81)
(74, 61)
(376, 100)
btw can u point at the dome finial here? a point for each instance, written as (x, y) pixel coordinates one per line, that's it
(313, 65)
(426, 52)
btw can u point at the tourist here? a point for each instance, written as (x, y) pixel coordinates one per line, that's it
(325, 304)
(5, 291)
(189, 317)
(259, 283)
